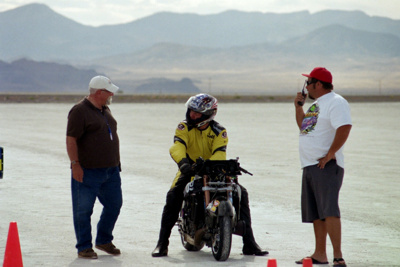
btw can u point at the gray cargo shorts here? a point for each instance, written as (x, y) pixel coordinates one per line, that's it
(320, 191)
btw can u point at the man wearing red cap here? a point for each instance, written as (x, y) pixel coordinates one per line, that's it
(324, 129)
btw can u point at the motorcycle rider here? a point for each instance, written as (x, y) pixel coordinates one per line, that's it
(199, 136)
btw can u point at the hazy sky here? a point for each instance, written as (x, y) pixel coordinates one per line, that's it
(101, 12)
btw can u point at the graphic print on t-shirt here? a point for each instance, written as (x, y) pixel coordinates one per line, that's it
(310, 119)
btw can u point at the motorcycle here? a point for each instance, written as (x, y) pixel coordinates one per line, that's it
(210, 211)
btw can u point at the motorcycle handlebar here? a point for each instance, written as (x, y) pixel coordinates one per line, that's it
(245, 171)
(231, 167)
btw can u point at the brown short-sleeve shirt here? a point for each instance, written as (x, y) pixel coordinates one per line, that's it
(96, 134)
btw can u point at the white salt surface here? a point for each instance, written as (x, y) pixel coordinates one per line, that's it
(35, 190)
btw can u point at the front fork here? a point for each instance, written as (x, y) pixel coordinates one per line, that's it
(207, 192)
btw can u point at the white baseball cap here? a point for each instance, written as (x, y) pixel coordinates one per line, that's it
(101, 82)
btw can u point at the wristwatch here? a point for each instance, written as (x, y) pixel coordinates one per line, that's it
(74, 162)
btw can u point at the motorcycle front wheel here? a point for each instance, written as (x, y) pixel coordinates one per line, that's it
(222, 240)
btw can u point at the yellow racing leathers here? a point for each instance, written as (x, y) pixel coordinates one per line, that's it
(192, 143)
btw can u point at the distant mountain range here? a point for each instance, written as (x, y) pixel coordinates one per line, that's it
(30, 76)
(37, 32)
(229, 51)
(24, 75)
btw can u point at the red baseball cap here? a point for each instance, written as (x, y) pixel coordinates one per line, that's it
(320, 74)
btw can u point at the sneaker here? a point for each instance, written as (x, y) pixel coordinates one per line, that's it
(109, 248)
(87, 254)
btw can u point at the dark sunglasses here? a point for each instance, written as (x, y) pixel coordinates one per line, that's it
(311, 82)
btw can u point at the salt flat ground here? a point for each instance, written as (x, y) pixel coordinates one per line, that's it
(35, 190)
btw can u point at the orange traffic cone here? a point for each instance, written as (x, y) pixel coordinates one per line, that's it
(12, 255)
(307, 262)
(271, 263)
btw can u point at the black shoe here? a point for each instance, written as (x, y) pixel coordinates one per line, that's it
(254, 251)
(160, 251)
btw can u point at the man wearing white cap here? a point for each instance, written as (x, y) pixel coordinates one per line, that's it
(93, 149)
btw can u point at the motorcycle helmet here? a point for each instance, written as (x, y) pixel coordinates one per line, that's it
(202, 103)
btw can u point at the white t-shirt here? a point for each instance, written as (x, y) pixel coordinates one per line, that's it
(318, 128)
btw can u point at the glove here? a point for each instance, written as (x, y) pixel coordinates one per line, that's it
(185, 167)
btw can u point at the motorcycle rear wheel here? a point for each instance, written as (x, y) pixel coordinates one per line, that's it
(190, 247)
(222, 240)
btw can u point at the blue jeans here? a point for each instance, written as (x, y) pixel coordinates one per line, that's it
(105, 184)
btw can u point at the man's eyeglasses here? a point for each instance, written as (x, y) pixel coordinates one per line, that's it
(311, 82)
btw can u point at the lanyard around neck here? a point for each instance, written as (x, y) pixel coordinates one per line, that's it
(108, 125)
